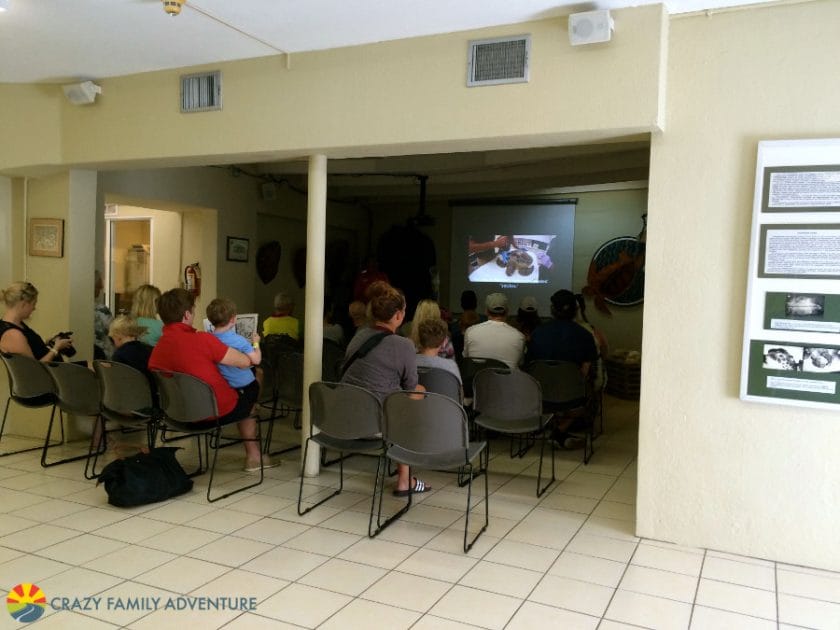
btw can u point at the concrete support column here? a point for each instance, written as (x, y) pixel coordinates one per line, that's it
(313, 331)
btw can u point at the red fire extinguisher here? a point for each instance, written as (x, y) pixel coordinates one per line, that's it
(192, 279)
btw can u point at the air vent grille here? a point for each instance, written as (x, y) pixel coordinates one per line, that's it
(201, 92)
(499, 60)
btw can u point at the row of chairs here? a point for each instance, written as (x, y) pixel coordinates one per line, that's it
(119, 398)
(424, 430)
(512, 402)
(432, 429)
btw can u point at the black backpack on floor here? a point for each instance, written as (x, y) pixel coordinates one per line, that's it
(145, 478)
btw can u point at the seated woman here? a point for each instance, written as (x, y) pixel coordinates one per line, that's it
(125, 332)
(144, 311)
(281, 321)
(16, 337)
(389, 366)
(429, 310)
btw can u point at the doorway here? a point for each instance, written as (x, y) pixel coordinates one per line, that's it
(129, 253)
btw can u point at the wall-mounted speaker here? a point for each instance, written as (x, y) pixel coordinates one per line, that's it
(83, 93)
(592, 27)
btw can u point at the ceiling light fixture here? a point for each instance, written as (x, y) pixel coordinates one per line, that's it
(173, 7)
(4, 5)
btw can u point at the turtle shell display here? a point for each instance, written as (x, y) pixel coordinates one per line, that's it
(514, 261)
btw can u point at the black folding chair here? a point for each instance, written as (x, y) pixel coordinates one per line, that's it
(126, 400)
(440, 381)
(567, 395)
(30, 386)
(189, 406)
(470, 366)
(77, 393)
(347, 419)
(510, 402)
(289, 387)
(429, 430)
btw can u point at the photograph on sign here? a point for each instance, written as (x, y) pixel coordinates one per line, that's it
(787, 358)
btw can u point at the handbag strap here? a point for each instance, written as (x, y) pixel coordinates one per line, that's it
(364, 349)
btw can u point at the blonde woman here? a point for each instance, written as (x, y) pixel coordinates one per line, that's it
(16, 337)
(144, 311)
(429, 310)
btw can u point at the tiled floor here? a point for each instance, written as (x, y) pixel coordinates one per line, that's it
(569, 560)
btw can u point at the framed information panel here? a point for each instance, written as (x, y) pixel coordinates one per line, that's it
(791, 352)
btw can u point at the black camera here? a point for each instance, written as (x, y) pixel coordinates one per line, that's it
(69, 351)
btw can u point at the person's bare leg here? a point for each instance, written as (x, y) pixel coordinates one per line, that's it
(403, 482)
(248, 432)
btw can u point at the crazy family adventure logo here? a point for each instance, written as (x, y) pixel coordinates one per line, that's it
(26, 602)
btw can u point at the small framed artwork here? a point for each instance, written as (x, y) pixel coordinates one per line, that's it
(237, 249)
(46, 237)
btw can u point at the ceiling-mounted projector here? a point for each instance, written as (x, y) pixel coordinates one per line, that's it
(83, 93)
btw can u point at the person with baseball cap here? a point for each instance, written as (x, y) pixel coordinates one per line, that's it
(495, 338)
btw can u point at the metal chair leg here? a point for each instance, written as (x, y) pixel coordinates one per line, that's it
(47, 444)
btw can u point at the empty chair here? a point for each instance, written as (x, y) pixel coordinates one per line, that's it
(566, 394)
(189, 406)
(428, 430)
(77, 393)
(440, 381)
(510, 402)
(347, 419)
(289, 379)
(470, 366)
(272, 346)
(126, 400)
(30, 386)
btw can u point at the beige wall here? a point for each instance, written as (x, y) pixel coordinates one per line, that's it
(749, 478)
(358, 101)
(31, 125)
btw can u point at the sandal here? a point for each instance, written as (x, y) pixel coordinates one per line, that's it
(419, 487)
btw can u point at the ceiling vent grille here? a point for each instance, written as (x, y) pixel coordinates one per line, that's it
(201, 92)
(499, 60)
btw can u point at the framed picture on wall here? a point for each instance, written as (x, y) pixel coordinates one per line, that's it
(237, 249)
(46, 237)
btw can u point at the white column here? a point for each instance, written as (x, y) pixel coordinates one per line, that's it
(313, 331)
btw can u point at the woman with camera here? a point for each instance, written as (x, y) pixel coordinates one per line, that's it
(16, 337)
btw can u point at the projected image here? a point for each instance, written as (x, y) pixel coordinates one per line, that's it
(515, 258)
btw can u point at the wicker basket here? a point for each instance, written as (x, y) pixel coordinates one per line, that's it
(623, 378)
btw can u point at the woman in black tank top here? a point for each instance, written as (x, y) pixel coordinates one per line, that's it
(16, 337)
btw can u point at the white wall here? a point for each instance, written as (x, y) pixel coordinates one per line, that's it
(716, 472)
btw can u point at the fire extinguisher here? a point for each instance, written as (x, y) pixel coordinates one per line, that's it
(192, 279)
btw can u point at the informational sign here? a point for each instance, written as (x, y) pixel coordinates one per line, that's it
(791, 352)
